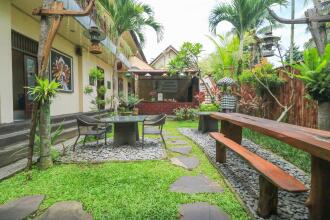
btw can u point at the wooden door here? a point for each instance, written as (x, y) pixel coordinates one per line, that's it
(30, 72)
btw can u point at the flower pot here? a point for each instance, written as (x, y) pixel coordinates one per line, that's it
(135, 111)
(323, 117)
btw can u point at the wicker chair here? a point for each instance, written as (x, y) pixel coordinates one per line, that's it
(149, 126)
(88, 126)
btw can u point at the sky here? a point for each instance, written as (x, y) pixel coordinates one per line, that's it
(187, 20)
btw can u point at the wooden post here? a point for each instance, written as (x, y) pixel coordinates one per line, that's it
(318, 202)
(268, 198)
(220, 153)
(231, 131)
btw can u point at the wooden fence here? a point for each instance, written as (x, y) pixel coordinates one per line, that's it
(303, 111)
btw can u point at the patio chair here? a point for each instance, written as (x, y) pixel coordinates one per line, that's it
(154, 125)
(88, 126)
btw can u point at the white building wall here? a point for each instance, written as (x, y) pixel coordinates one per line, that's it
(6, 90)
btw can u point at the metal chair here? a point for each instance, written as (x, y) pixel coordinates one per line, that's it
(150, 124)
(89, 126)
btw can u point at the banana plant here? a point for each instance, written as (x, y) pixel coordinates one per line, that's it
(315, 73)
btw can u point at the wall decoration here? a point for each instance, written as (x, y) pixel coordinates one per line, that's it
(160, 97)
(61, 70)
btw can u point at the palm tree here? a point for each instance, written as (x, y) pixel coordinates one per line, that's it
(129, 16)
(243, 15)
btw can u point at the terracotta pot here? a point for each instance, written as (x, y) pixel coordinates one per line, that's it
(323, 116)
(135, 111)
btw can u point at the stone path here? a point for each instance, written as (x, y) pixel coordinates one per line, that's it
(195, 184)
(182, 150)
(67, 210)
(201, 210)
(178, 142)
(245, 181)
(171, 137)
(188, 163)
(20, 208)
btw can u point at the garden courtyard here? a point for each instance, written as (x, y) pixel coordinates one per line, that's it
(118, 187)
(230, 121)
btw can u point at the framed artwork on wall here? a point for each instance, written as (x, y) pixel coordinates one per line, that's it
(61, 70)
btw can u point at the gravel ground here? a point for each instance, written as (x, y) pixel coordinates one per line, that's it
(152, 150)
(245, 180)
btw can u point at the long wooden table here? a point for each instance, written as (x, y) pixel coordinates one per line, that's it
(313, 141)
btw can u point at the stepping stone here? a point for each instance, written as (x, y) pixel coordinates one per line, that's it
(172, 137)
(67, 210)
(20, 208)
(201, 210)
(186, 162)
(195, 184)
(182, 150)
(178, 142)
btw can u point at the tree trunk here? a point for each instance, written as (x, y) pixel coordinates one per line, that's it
(240, 56)
(324, 116)
(115, 71)
(45, 136)
(44, 29)
(293, 6)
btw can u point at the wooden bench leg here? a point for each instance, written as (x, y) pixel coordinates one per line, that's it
(220, 153)
(268, 198)
(231, 131)
(319, 197)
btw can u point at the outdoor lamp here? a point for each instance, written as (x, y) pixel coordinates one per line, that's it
(268, 42)
(147, 75)
(95, 36)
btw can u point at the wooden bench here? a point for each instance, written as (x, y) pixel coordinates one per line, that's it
(312, 141)
(270, 179)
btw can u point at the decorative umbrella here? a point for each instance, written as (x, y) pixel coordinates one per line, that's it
(226, 81)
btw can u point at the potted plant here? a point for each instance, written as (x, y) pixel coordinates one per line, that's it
(130, 104)
(315, 74)
(153, 95)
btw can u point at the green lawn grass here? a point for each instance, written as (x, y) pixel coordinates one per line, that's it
(118, 190)
(297, 157)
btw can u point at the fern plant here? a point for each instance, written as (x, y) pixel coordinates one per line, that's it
(315, 74)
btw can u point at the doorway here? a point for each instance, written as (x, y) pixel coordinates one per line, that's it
(24, 67)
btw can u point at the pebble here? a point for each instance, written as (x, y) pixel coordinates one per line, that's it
(152, 150)
(244, 180)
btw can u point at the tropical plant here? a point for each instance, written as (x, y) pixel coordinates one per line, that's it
(244, 15)
(262, 74)
(130, 102)
(44, 91)
(224, 61)
(209, 107)
(186, 59)
(185, 113)
(128, 16)
(314, 72)
(98, 100)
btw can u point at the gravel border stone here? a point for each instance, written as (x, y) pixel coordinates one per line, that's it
(244, 179)
(152, 150)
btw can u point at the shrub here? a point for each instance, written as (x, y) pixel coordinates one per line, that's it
(185, 113)
(209, 107)
(265, 73)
